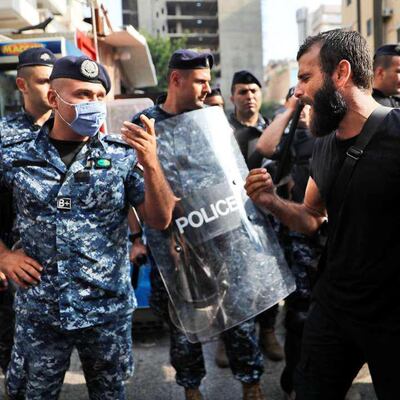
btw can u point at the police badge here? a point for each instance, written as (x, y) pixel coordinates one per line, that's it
(89, 69)
(45, 57)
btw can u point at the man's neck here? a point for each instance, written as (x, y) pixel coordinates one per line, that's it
(360, 106)
(170, 106)
(247, 120)
(61, 131)
(38, 117)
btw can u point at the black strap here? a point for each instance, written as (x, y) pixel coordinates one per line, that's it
(355, 152)
(343, 180)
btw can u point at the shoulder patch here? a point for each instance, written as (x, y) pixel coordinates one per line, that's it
(115, 138)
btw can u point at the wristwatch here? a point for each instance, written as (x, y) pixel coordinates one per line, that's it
(133, 236)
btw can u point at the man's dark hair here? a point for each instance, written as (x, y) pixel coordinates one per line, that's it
(383, 61)
(340, 44)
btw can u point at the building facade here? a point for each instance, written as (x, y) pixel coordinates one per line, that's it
(59, 25)
(377, 20)
(324, 18)
(231, 30)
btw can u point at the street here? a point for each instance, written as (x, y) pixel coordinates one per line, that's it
(154, 376)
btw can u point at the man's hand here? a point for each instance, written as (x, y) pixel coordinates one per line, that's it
(259, 187)
(292, 103)
(23, 270)
(142, 140)
(138, 251)
(3, 282)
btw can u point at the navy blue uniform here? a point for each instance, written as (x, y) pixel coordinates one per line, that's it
(72, 220)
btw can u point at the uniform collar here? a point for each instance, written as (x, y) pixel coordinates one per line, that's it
(94, 147)
(260, 125)
(379, 93)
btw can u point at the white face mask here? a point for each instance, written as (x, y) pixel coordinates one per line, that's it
(89, 116)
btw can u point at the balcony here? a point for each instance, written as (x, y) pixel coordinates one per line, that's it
(16, 14)
(193, 25)
(194, 39)
(58, 7)
(195, 7)
(192, 17)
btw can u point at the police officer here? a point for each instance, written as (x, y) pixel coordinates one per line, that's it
(214, 98)
(248, 125)
(246, 119)
(72, 188)
(386, 86)
(33, 72)
(188, 86)
(301, 252)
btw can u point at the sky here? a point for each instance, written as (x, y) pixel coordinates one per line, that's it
(114, 8)
(280, 26)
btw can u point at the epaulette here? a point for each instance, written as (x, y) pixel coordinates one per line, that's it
(13, 116)
(10, 135)
(115, 138)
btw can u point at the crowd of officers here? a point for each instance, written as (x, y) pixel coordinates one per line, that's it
(64, 191)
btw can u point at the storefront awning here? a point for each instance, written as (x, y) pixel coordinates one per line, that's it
(134, 55)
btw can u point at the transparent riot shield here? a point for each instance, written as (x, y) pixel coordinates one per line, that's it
(219, 259)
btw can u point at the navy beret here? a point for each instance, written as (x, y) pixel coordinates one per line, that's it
(36, 56)
(244, 77)
(81, 69)
(214, 92)
(189, 59)
(388, 50)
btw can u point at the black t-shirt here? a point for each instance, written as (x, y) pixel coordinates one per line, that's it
(67, 149)
(361, 279)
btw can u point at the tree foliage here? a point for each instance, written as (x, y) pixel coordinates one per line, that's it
(161, 49)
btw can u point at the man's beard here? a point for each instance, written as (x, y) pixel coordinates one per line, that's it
(329, 108)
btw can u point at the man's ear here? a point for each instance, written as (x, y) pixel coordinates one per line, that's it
(21, 84)
(175, 78)
(342, 74)
(52, 98)
(379, 73)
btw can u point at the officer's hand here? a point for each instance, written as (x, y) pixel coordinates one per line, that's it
(259, 187)
(23, 270)
(142, 140)
(138, 252)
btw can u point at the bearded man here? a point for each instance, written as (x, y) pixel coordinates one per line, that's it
(355, 316)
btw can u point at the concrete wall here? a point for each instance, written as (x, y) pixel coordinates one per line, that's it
(241, 44)
(390, 22)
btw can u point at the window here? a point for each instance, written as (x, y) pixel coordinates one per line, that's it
(348, 2)
(369, 27)
(157, 14)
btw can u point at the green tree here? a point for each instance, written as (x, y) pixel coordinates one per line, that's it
(161, 49)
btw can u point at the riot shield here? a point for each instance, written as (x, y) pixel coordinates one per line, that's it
(219, 258)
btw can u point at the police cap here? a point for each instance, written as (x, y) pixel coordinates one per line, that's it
(245, 77)
(189, 59)
(36, 56)
(81, 69)
(388, 50)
